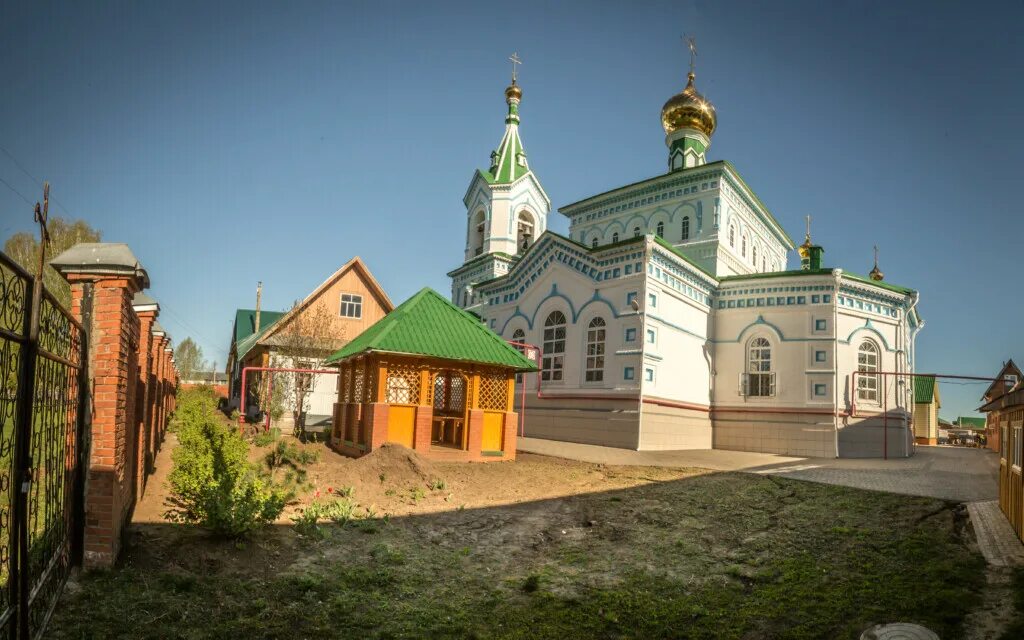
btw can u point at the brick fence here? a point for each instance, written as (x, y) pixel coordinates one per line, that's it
(133, 384)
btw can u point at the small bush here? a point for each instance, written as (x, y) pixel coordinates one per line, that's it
(337, 511)
(265, 438)
(212, 483)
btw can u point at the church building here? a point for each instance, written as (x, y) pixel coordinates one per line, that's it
(669, 318)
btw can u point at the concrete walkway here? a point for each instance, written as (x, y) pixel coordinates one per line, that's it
(996, 538)
(951, 473)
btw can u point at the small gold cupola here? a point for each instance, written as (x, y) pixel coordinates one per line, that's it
(810, 254)
(689, 119)
(876, 273)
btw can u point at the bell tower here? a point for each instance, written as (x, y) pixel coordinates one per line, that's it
(506, 207)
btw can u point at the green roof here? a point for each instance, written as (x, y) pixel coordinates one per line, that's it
(506, 169)
(427, 324)
(924, 389)
(970, 423)
(245, 328)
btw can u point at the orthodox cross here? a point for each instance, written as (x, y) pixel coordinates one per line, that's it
(808, 219)
(41, 214)
(515, 60)
(876, 256)
(691, 44)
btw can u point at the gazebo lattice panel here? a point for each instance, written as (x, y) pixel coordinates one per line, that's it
(493, 392)
(403, 384)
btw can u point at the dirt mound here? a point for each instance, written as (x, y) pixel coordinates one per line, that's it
(394, 464)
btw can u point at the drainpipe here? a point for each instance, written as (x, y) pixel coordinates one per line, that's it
(838, 274)
(641, 305)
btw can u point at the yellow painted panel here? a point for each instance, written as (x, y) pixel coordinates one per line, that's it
(401, 421)
(490, 439)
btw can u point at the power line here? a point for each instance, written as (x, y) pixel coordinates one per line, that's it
(20, 194)
(32, 177)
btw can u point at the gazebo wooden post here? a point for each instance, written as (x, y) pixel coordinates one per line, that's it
(508, 439)
(475, 426)
(422, 430)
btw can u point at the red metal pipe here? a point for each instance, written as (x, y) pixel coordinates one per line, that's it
(245, 370)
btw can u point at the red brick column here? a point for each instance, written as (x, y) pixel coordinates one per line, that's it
(508, 438)
(142, 397)
(375, 416)
(422, 428)
(476, 432)
(113, 343)
(153, 399)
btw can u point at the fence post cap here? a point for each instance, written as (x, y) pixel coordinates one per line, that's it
(101, 259)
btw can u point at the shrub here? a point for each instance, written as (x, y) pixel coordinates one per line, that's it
(212, 483)
(337, 511)
(265, 438)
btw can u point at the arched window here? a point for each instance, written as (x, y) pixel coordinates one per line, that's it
(732, 236)
(595, 350)
(593, 243)
(759, 379)
(554, 346)
(764, 264)
(754, 256)
(636, 232)
(524, 231)
(743, 247)
(615, 237)
(686, 228)
(660, 229)
(478, 232)
(867, 360)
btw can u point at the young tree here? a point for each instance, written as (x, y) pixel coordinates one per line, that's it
(23, 248)
(306, 339)
(189, 358)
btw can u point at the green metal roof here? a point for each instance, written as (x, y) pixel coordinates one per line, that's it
(970, 423)
(428, 325)
(506, 169)
(924, 389)
(245, 328)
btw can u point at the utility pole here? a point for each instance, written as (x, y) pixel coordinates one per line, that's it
(259, 294)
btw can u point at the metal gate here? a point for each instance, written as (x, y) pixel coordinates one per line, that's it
(43, 416)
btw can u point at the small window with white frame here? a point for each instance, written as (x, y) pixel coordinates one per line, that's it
(649, 374)
(759, 379)
(351, 305)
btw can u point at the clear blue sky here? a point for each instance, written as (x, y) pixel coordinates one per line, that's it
(229, 143)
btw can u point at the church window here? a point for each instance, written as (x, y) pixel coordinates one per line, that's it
(628, 373)
(661, 229)
(615, 237)
(743, 247)
(593, 243)
(652, 300)
(595, 350)
(636, 232)
(351, 305)
(732, 236)
(820, 389)
(524, 231)
(867, 360)
(754, 257)
(700, 221)
(764, 264)
(554, 346)
(686, 228)
(649, 374)
(759, 379)
(631, 335)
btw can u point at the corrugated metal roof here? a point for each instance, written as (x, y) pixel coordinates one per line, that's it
(245, 322)
(427, 324)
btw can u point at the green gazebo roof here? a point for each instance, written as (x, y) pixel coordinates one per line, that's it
(924, 389)
(428, 325)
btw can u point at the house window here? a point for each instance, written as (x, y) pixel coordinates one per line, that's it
(554, 346)
(649, 374)
(660, 229)
(628, 373)
(686, 228)
(351, 305)
(631, 335)
(820, 356)
(636, 232)
(867, 360)
(595, 351)
(615, 237)
(652, 336)
(819, 389)
(760, 380)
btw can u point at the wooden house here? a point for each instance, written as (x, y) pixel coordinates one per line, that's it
(1006, 416)
(1007, 378)
(431, 377)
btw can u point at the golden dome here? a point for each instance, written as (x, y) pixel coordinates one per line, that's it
(876, 274)
(689, 110)
(513, 91)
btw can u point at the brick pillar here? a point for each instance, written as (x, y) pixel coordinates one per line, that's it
(375, 417)
(476, 432)
(423, 426)
(103, 278)
(153, 399)
(147, 309)
(508, 439)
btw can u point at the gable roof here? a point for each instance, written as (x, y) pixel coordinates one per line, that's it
(356, 264)
(925, 389)
(245, 322)
(427, 324)
(1010, 368)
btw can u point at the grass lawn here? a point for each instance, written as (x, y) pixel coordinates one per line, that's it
(626, 553)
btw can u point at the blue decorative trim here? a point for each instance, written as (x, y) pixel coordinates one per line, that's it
(870, 328)
(597, 298)
(555, 294)
(516, 314)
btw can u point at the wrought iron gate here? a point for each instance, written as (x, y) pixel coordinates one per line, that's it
(43, 416)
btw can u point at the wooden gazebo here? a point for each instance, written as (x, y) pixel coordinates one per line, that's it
(431, 377)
